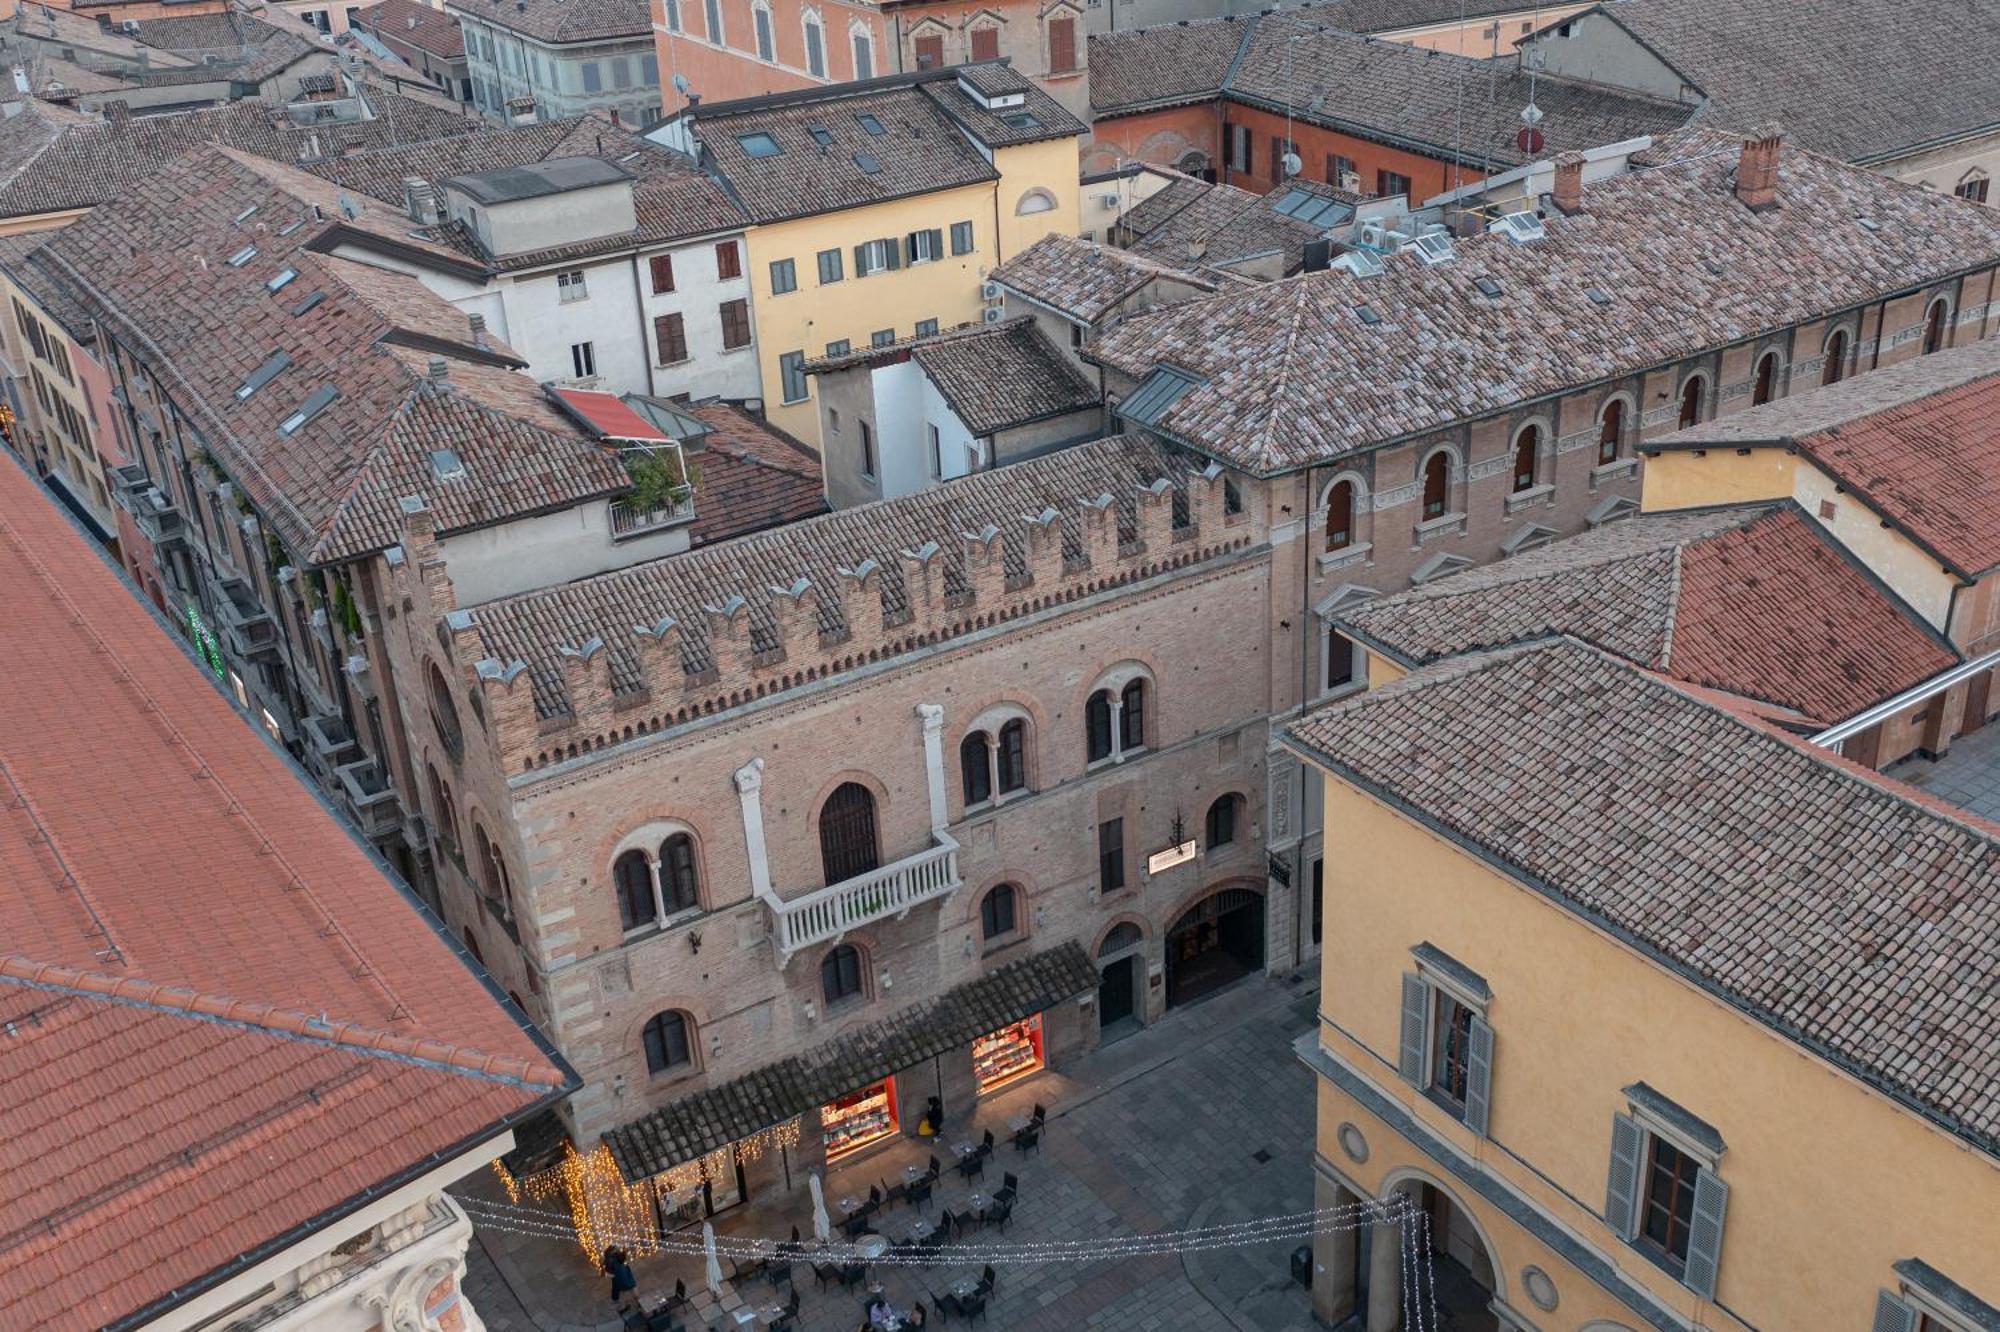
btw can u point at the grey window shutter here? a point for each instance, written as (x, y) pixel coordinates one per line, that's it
(861, 260)
(937, 243)
(1621, 1192)
(1416, 1011)
(1479, 1076)
(895, 252)
(1893, 1313)
(1711, 1200)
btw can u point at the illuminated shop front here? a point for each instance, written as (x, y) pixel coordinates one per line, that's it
(1005, 1056)
(859, 1119)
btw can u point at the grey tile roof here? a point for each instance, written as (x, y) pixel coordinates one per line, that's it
(921, 149)
(532, 627)
(89, 160)
(416, 23)
(1855, 79)
(712, 1118)
(558, 22)
(998, 376)
(1918, 442)
(1220, 225)
(1758, 601)
(1847, 912)
(1084, 279)
(1172, 63)
(153, 265)
(1038, 118)
(1445, 353)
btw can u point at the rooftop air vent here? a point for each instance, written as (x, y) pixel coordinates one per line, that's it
(1487, 286)
(1520, 228)
(1434, 249)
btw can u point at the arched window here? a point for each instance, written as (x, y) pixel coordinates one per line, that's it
(1013, 756)
(1232, 498)
(840, 974)
(1037, 200)
(492, 870)
(1123, 935)
(1223, 817)
(815, 47)
(997, 915)
(680, 884)
(444, 714)
(1340, 516)
(974, 766)
(847, 844)
(634, 879)
(1691, 396)
(1132, 716)
(1097, 725)
(667, 1044)
(864, 51)
(1835, 368)
(1610, 431)
(1437, 484)
(760, 18)
(443, 806)
(1766, 387)
(1526, 444)
(1937, 325)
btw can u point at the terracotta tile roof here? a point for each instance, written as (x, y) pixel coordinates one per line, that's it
(17, 257)
(1444, 353)
(1825, 901)
(699, 1123)
(1918, 442)
(532, 627)
(1038, 117)
(1085, 280)
(556, 22)
(1757, 601)
(921, 149)
(1842, 75)
(236, 1042)
(155, 264)
(418, 24)
(1218, 225)
(1172, 63)
(753, 475)
(89, 161)
(1392, 15)
(997, 376)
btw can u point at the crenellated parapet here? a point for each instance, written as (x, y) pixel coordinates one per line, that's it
(693, 635)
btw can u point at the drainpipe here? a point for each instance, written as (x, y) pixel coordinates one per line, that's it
(999, 252)
(1305, 685)
(645, 335)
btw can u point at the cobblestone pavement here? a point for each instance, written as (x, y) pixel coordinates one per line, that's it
(1204, 1118)
(1968, 776)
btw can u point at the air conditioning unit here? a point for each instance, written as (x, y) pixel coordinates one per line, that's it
(1108, 200)
(130, 27)
(1374, 234)
(993, 314)
(989, 291)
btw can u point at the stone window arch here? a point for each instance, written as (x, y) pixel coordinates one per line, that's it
(1434, 474)
(1342, 498)
(1693, 400)
(1223, 824)
(764, 31)
(843, 975)
(813, 31)
(1833, 367)
(656, 874)
(1118, 713)
(1526, 467)
(491, 869)
(1937, 325)
(669, 1042)
(444, 809)
(1614, 418)
(995, 756)
(861, 41)
(444, 713)
(1000, 914)
(1036, 200)
(849, 843)
(1764, 380)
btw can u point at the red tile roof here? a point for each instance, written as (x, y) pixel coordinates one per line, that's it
(416, 24)
(753, 475)
(222, 1018)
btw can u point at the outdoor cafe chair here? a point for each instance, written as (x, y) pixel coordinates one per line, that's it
(989, 1280)
(999, 1214)
(973, 1165)
(824, 1273)
(918, 1193)
(1028, 1139)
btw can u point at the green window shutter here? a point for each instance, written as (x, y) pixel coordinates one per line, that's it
(937, 242)
(1711, 1200)
(1893, 1313)
(1416, 1011)
(1479, 1076)
(861, 260)
(1621, 1191)
(895, 248)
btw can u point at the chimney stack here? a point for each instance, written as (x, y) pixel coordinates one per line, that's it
(1757, 168)
(440, 370)
(478, 322)
(1567, 195)
(119, 113)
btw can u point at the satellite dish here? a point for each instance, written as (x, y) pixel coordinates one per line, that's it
(1292, 163)
(681, 84)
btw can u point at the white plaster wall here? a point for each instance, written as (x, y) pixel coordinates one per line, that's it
(958, 452)
(899, 429)
(551, 548)
(709, 371)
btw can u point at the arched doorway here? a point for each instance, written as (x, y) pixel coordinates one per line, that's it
(1460, 1261)
(1216, 942)
(1121, 970)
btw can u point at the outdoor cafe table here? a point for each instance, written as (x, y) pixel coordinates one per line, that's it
(913, 1173)
(965, 1287)
(978, 1202)
(963, 1149)
(921, 1230)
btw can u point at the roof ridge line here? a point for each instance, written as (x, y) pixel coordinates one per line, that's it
(1673, 609)
(183, 1001)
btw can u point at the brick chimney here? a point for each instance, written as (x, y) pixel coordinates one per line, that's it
(1567, 195)
(1757, 168)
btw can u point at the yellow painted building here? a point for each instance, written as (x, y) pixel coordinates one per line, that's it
(1616, 1035)
(877, 209)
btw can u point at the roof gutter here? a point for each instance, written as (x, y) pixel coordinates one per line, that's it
(1831, 737)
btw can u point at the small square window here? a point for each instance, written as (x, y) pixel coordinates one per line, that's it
(882, 337)
(759, 144)
(927, 328)
(570, 287)
(838, 347)
(784, 277)
(961, 238)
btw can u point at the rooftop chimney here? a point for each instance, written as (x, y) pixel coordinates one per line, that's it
(439, 370)
(1567, 195)
(478, 322)
(1757, 168)
(420, 201)
(119, 113)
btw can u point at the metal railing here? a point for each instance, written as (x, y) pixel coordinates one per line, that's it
(892, 890)
(627, 520)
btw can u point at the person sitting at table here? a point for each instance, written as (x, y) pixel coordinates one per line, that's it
(879, 1311)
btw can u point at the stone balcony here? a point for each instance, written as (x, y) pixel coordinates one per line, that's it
(826, 914)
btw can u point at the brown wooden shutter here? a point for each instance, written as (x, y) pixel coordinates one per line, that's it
(930, 52)
(986, 43)
(670, 336)
(1062, 45)
(728, 260)
(663, 273)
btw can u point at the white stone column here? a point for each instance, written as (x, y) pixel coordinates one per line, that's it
(933, 720)
(1117, 727)
(659, 894)
(749, 784)
(1385, 1277)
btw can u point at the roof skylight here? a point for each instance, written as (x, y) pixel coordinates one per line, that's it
(262, 375)
(759, 144)
(869, 163)
(318, 401)
(243, 256)
(869, 123)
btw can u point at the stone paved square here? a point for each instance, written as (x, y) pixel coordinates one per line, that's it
(1157, 1132)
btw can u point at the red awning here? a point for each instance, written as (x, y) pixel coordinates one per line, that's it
(605, 416)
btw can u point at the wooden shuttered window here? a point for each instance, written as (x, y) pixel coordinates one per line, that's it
(663, 273)
(1704, 1256)
(1621, 1189)
(1062, 45)
(1893, 1313)
(1479, 1077)
(986, 43)
(1416, 1014)
(930, 51)
(728, 260)
(735, 324)
(670, 336)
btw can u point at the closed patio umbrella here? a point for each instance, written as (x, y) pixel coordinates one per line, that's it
(822, 1223)
(714, 1272)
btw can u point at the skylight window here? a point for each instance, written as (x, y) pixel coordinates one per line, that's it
(447, 465)
(867, 162)
(869, 123)
(821, 135)
(1308, 207)
(1598, 294)
(1022, 120)
(282, 280)
(1433, 249)
(320, 399)
(311, 301)
(291, 226)
(243, 256)
(246, 215)
(759, 144)
(1487, 286)
(262, 375)
(1366, 314)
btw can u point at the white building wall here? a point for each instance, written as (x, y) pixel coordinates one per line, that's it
(698, 294)
(551, 548)
(959, 454)
(899, 428)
